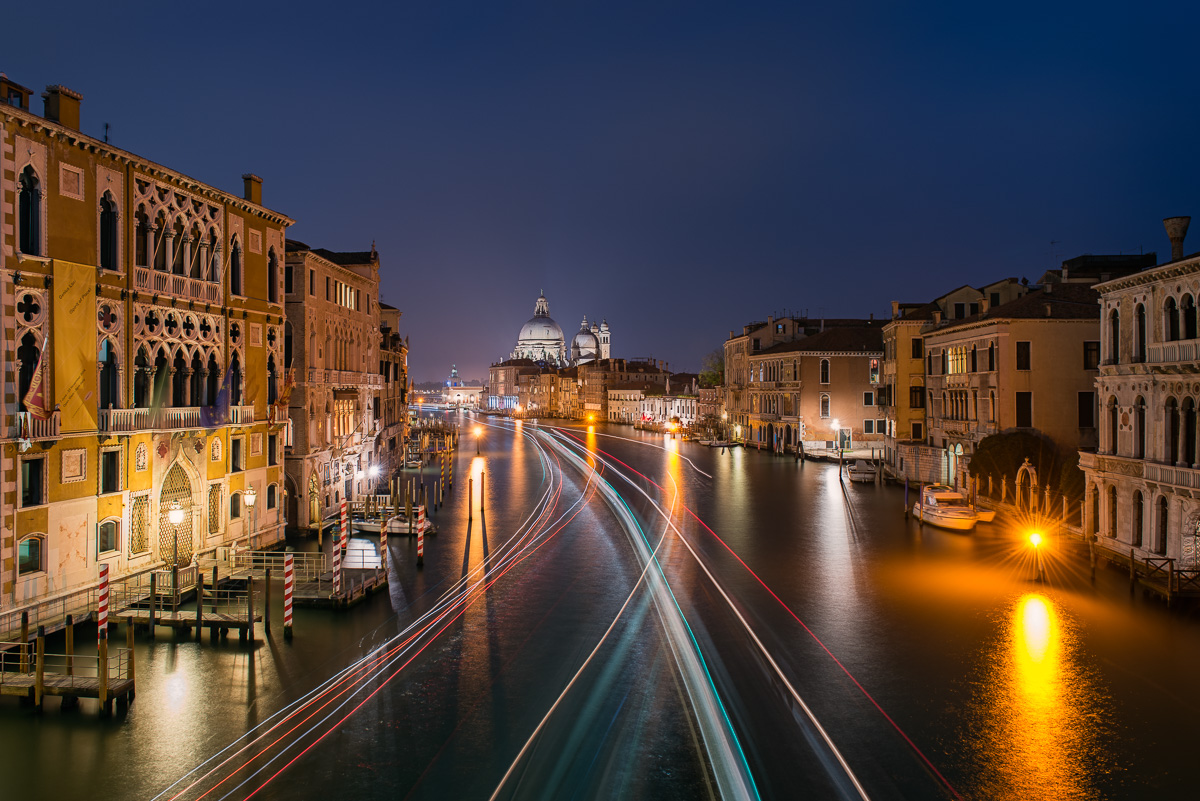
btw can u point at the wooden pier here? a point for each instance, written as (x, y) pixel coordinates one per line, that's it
(29, 673)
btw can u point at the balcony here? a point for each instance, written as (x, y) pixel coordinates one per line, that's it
(29, 427)
(1174, 357)
(123, 421)
(179, 286)
(1177, 477)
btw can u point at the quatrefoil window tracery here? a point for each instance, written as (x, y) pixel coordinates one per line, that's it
(235, 332)
(271, 335)
(107, 318)
(153, 321)
(205, 328)
(30, 308)
(189, 327)
(172, 325)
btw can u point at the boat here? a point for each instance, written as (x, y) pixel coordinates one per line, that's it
(944, 506)
(985, 515)
(862, 471)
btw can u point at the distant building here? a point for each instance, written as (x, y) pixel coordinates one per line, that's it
(460, 394)
(541, 340)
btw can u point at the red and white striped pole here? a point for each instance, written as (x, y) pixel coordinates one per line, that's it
(345, 526)
(288, 579)
(420, 536)
(337, 567)
(102, 607)
(383, 552)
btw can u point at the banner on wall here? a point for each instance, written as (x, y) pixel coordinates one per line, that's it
(73, 315)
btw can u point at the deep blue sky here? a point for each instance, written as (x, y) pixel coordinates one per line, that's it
(679, 168)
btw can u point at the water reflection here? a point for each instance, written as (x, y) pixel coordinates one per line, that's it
(1039, 709)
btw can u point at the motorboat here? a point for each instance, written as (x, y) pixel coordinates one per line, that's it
(944, 506)
(862, 472)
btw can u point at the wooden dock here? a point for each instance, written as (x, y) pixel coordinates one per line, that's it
(29, 673)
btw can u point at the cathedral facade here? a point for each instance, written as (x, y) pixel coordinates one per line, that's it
(541, 340)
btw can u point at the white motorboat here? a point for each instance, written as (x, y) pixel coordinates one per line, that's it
(862, 472)
(945, 507)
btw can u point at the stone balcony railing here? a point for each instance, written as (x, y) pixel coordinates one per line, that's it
(159, 282)
(29, 427)
(1181, 477)
(119, 421)
(1174, 357)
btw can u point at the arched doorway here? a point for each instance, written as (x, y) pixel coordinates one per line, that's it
(291, 507)
(314, 501)
(1026, 484)
(175, 542)
(771, 436)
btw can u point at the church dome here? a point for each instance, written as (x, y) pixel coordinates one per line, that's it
(585, 346)
(541, 339)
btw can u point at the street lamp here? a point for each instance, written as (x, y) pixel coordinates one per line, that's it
(175, 516)
(250, 496)
(1035, 539)
(478, 432)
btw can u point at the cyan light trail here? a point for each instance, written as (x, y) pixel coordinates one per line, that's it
(728, 762)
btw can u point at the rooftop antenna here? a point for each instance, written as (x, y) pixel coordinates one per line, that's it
(106, 133)
(1054, 254)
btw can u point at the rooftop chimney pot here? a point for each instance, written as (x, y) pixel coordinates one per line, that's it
(1176, 231)
(62, 106)
(252, 188)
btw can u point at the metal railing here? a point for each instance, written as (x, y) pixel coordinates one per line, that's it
(306, 566)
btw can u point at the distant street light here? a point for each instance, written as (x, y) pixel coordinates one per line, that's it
(478, 433)
(175, 516)
(250, 496)
(1035, 539)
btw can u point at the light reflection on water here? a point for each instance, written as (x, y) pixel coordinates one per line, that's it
(1038, 710)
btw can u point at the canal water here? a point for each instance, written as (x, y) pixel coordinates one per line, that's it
(934, 661)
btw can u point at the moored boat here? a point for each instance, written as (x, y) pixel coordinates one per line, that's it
(945, 507)
(862, 471)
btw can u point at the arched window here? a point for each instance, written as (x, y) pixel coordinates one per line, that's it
(197, 381)
(824, 371)
(824, 404)
(30, 201)
(1187, 310)
(992, 406)
(991, 357)
(1139, 518)
(1139, 428)
(141, 380)
(1170, 320)
(945, 361)
(28, 355)
(287, 345)
(235, 267)
(1171, 419)
(928, 364)
(1112, 511)
(974, 360)
(272, 380)
(214, 258)
(177, 248)
(141, 241)
(235, 506)
(1160, 542)
(179, 381)
(235, 382)
(271, 500)
(1188, 415)
(108, 232)
(30, 555)
(1139, 333)
(160, 247)
(1114, 337)
(212, 381)
(108, 375)
(1113, 415)
(272, 277)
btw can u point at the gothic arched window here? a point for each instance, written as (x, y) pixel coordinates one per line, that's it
(30, 202)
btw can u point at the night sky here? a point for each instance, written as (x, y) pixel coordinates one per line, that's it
(679, 169)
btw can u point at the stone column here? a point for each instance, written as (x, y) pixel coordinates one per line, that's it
(187, 255)
(169, 247)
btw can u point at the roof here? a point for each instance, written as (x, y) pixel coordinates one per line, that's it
(863, 338)
(347, 257)
(647, 387)
(1053, 301)
(387, 306)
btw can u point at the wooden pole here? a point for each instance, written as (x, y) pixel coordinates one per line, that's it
(153, 600)
(200, 602)
(408, 508)
(250, 607)
(39, 680)
(481, 488)
(267, 603)
(470, 499)
(25, 641)
(70, 645)
(129, 645)
(102, 670)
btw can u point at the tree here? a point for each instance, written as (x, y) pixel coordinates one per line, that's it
(712, 368)
(1001, 456)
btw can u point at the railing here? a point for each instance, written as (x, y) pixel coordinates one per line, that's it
(1176, 476)
(35, 428)
(241, 415)
(1179, 351)
(114, 420)
(49, 613)
(182, 417)
(306, 566)
(181, 286)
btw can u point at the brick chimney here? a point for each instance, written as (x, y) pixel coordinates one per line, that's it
(252, 188)
(62, 106)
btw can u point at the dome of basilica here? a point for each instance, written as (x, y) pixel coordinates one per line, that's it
(541, 339)
(585, 346)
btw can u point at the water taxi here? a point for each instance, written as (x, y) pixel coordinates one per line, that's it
(944, 506)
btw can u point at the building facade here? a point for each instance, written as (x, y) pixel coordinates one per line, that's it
(145, 318)
(334, 317)
(1143, 479)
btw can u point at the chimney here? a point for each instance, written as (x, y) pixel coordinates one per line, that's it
(62, 106)
(895, 309)
(985, 303)
(1049, 310)
(937, 317)
(1176, 231)
(252, 188)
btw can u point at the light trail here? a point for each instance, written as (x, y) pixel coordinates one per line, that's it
(728, 762)
(921, 754)
(528, 537)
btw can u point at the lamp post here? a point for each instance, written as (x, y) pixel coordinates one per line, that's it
(1035, 539)
(250, 496)
(478, 432)
(175, 515)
